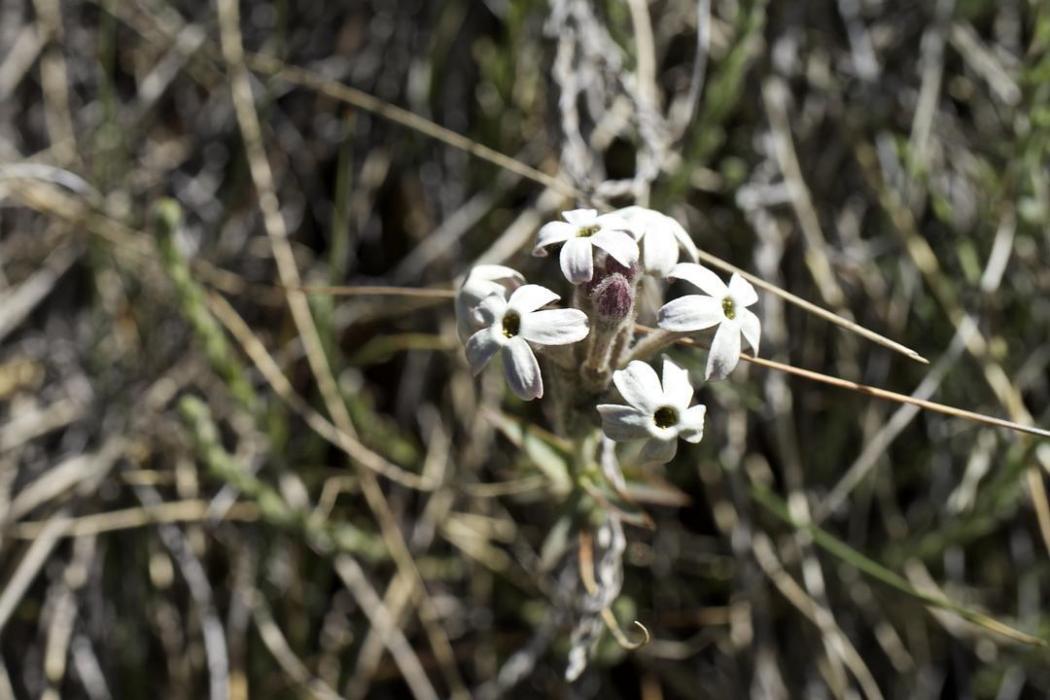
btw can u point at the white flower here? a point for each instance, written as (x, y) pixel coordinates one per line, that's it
(659, 236)
(511, 324)
(584, 231)
(658, 413)
(725, 307)
(482, 281)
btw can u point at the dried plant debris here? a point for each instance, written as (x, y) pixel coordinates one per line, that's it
(627, 348)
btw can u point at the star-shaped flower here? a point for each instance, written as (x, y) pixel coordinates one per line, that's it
(659, 237)
(511, 324)
(659, 411)
(582, 231)
(725, 307)
(480, 282)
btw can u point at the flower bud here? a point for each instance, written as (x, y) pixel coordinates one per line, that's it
(613, 298)
(612, 266)
(606, 267)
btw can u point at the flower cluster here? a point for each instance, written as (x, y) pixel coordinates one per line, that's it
(596, 364)
(592, 345)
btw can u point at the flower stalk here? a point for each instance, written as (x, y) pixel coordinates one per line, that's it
(588, 363)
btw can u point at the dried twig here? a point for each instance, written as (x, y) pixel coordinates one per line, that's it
(244, 104)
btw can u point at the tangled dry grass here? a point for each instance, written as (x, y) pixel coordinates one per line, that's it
(218, 479)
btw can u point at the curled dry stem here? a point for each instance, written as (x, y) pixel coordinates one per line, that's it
(620, 636)
(586, 558)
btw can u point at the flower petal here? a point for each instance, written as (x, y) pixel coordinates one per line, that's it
(613, 221)
(468, 318)
(577, 260)
(580, 217)
(530, 297)
(677, 389)
(690, 313)
(657, 451)
(624, 422)
(481, 347)
(700, 276)
(484, 280)
(554, 326)
(466, 326)
(634, 219)
(683, 238)
(639, 386)
(725, 351)
(480, 282)
(691, 425)
(659, 250)
(618, 244)
(750, 327)
(742, 291)
(554, 232)
(500, 274)
(491, 309)
(521, 369)
(633, 212)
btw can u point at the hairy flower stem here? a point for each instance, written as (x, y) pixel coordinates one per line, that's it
(562, 370)
(561, 355)
(609, 302)
(652, 344)
(569, 401)
(572, 405)
(561, 381)
(622, 343)
(597, 371)
(573, 396)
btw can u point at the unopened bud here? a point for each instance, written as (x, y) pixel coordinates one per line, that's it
(604, 268)
(613, 298)
(612, 266)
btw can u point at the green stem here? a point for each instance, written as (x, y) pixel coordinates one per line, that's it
(326, 536)
(652, 344)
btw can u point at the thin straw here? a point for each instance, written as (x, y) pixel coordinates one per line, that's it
(878, 393)
(362, 100)
(884, 394)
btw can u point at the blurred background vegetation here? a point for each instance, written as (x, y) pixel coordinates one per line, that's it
(213, 484)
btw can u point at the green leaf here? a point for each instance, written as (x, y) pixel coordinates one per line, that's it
(544, 450)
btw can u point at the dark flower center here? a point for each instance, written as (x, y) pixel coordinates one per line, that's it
(588, 231)
(665, 417)
(511, 324)
(729, 308)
